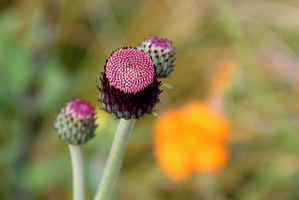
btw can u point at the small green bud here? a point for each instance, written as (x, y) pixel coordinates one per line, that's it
(162, 54)
(75, 123)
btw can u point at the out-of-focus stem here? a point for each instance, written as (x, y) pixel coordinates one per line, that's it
(78, 179)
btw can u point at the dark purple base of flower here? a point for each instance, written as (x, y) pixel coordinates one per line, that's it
(128, 105)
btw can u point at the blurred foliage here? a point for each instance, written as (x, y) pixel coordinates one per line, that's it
(51, 51)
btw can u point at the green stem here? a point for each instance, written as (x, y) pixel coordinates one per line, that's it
(115, 159)
(78, 180)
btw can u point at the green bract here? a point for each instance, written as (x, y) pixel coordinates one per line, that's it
(75, 123)
(162, 54)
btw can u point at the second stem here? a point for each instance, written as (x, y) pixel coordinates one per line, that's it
(115, 159)
(78, 179)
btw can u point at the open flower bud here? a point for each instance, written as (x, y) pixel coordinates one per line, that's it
(75, 123)
(128, 86)
(162, 54)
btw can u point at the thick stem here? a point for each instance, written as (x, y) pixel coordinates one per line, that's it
(115, 159)
(78, 179)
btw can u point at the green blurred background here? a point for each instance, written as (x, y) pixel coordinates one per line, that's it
(52, 50)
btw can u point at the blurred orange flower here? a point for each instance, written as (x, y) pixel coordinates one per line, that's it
(190, 139)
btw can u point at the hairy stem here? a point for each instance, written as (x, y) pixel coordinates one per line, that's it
(78, 179)
(115, 159)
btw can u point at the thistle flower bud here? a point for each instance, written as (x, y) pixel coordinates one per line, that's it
(162, 54)
(128, 86)
(75, 123)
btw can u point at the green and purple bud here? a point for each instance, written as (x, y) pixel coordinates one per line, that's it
(161, 52)
(128, 86)
(75, 123)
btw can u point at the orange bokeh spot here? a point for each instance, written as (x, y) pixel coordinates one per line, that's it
(190, 139)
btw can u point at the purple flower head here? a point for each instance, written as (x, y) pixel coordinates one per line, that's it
(129, 87)
(159, 42)
(130, 70)
(80, 108)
